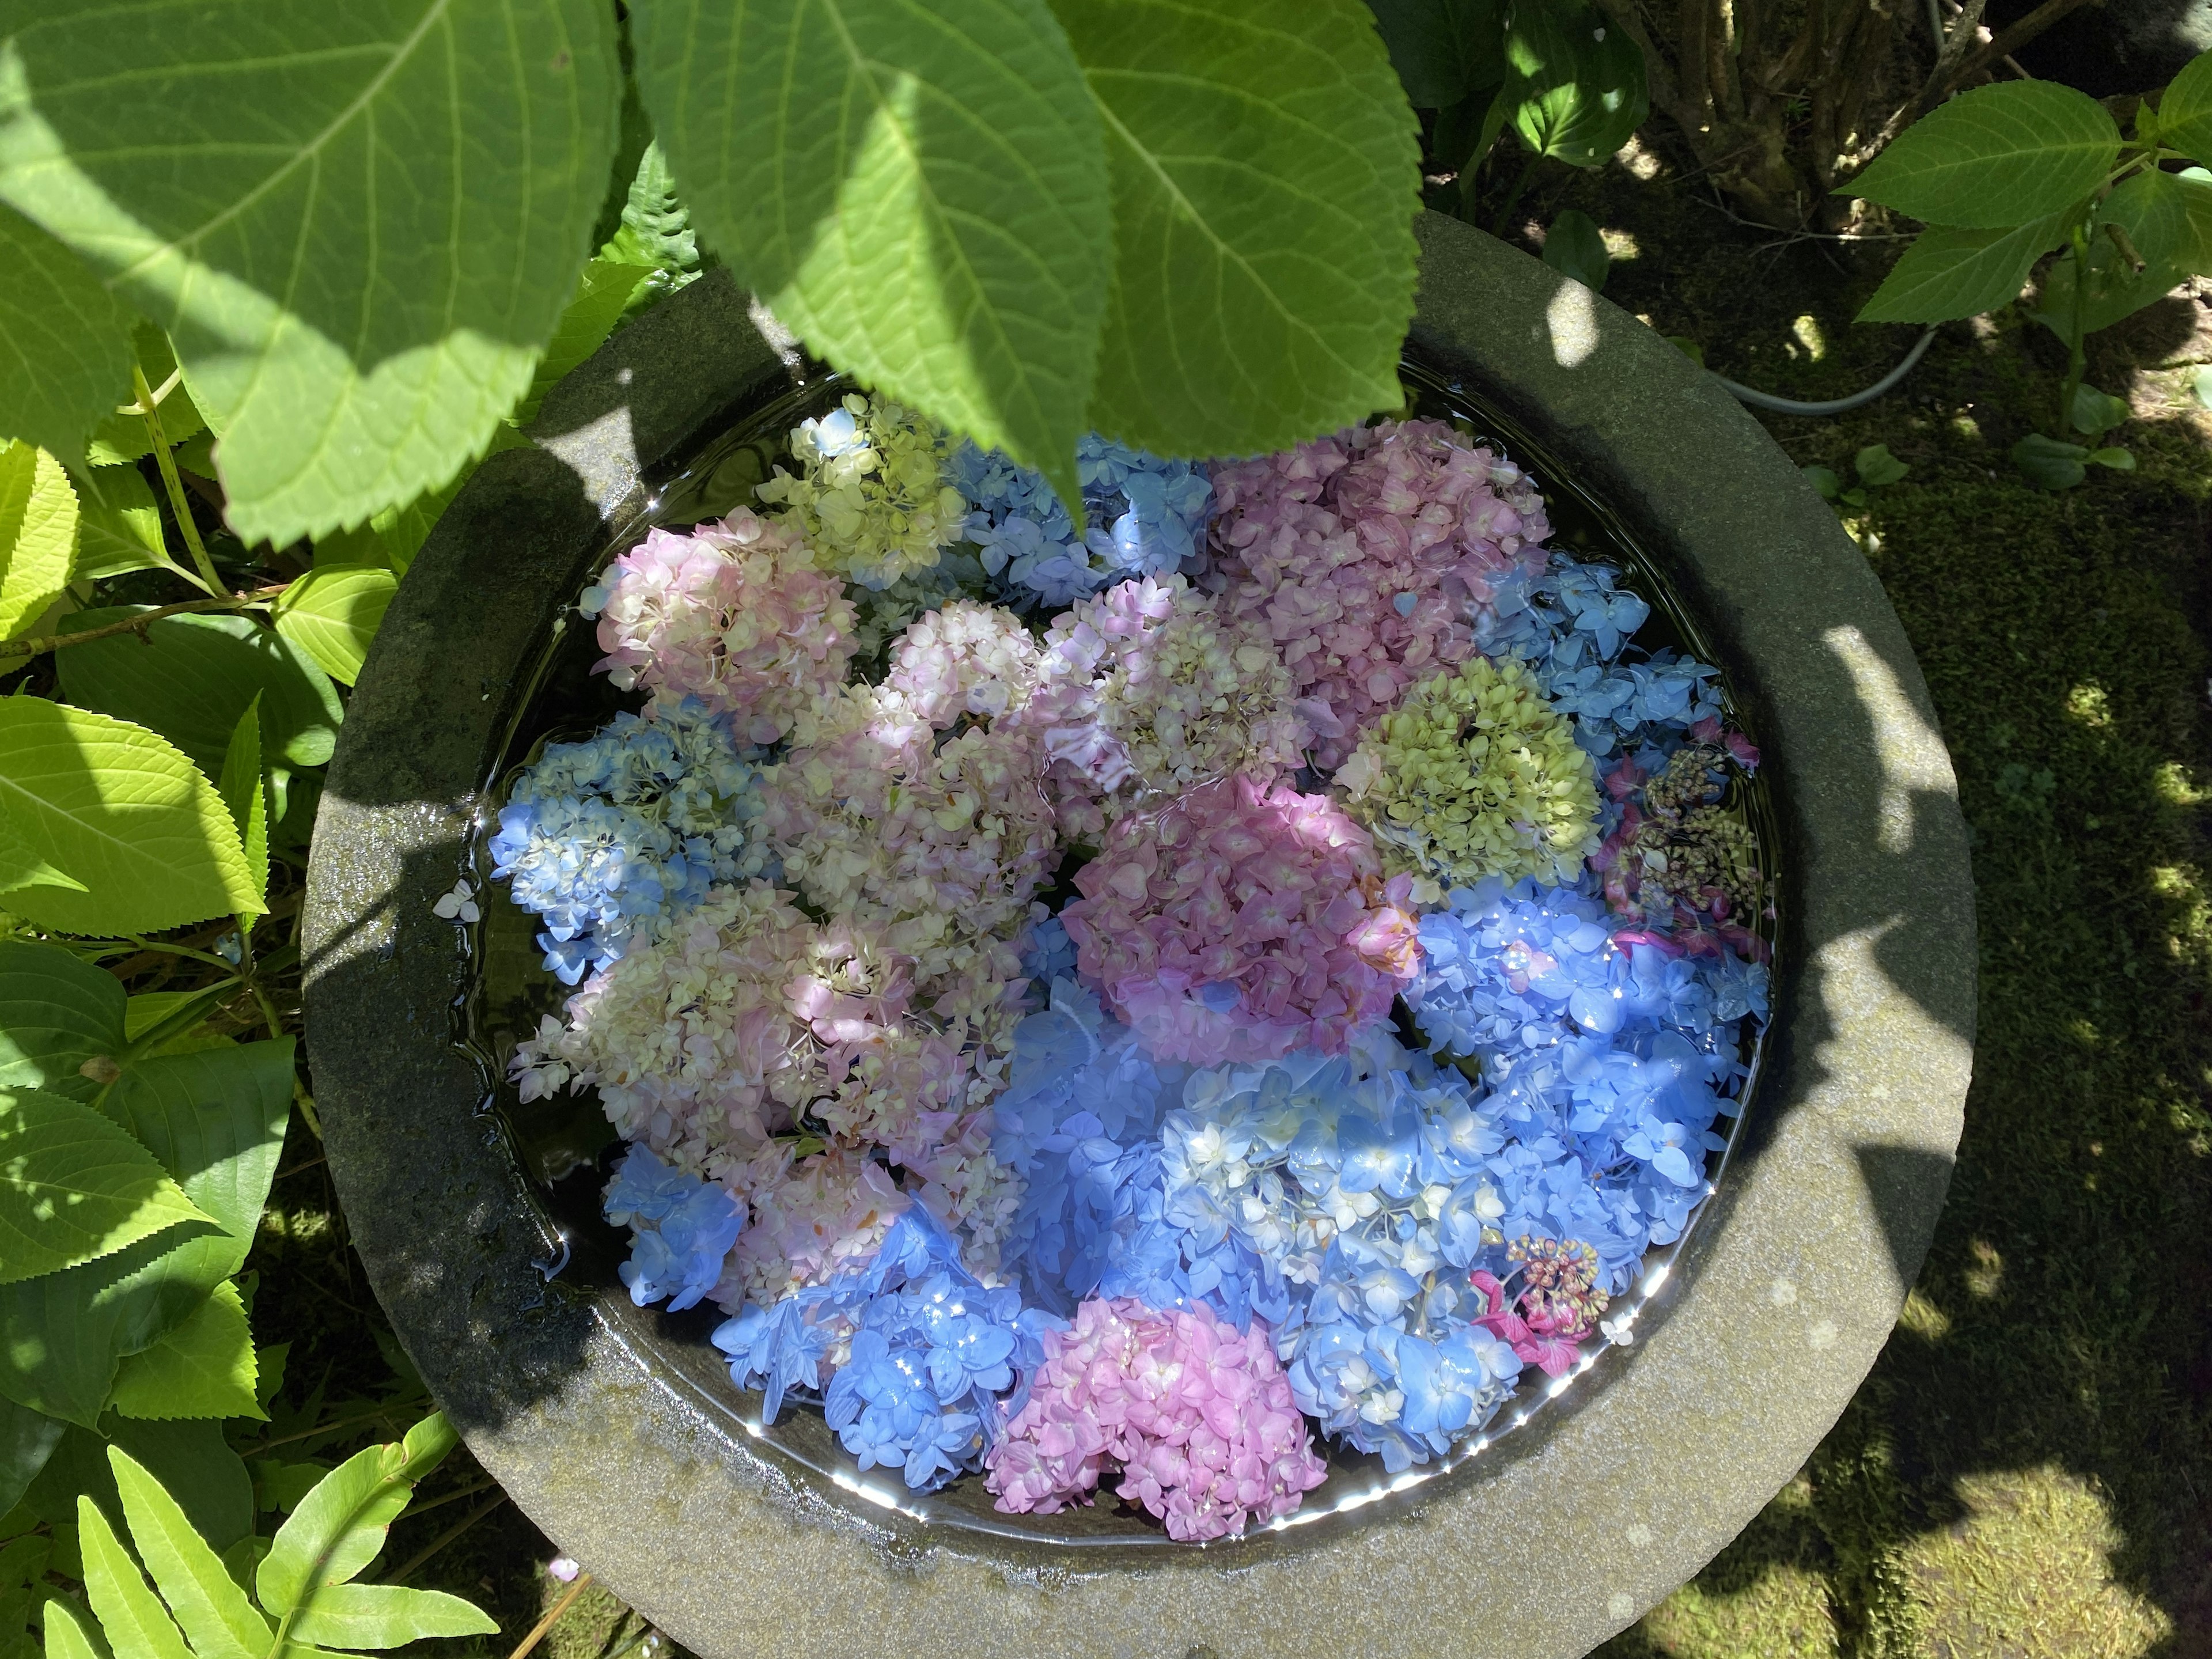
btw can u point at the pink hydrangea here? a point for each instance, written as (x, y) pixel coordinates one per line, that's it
(965, 658)
(735, 613)
(1242, 922)
(1366, 555)
(1198, 1417)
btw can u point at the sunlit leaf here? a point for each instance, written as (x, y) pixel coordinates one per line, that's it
(203, 1367)
(333, 614)
(74, 1187)
(64, 344)
(1997, 156)
(38, 535)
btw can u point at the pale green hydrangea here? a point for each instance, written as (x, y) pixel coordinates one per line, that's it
(872, 498)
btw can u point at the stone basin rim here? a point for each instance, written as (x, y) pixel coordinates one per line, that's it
(1793, 1283)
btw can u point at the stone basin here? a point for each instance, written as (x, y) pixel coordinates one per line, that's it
(616, 1428)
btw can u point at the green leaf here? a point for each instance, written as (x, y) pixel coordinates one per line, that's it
(2048, 462)
(655, 226)
(279, 1487)
(1443, 50)
(919, 191)
(1575, 247)
(1688, 347)
(20, 868)
(64, 344)
(1999, 155)
(74, 1187)
(240, 786)
(37, 536)
(57, 1012)
(2096, 412)
(192, 678)
(603, 293)
(189, 1458)
(121, 809)
(67, 1637)
(339, 1527)
(2200, 386)
(2115, 290)
(333, 614)
(27, 1439)
(118, 527)
(386, 1616)
(2184, 113)
(2120, 460)
(1948, 274)
(204, 1367)
(132, 1615)
(1577, 90)
(1825, 480)
(357, 222)
(217, 1618)
(1878, 468)
(23, 1560)
(216, 1119)
(2153, 209)
(1265, 174)
(124, 438)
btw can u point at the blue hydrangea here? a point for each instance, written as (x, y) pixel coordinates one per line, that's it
(927, 1353)
(605, 837)
(1146, 517)
(683, 1229)
(1047, 953)
(1404, 1395)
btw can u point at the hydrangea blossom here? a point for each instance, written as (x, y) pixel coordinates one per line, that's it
(965, 658)
(735, 613)
(1476, 774)
(1675, 852)
(1146, 516)
(870, 494)
(1241, 922)
(682, 1229)
(1147, 693)
(1366, 554)
(1198, 1416)
(605, 837)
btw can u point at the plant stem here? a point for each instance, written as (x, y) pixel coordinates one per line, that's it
(1513, 196)
(172, 482)
(522, 1650)
(39, 646)
(2077, 355)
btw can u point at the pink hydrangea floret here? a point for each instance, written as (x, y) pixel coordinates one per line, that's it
(735, 613)
(1242, 922)
(1198, 1417)
(1368, 555)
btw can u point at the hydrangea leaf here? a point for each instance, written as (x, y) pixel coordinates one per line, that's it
(124, 812)
(27, 1439)
(240, 785)
(2184, 111)
(1948, 273)
(358, 223)
(122, 438)
(204, 1367)
(118, 527)
(20, 868)
(217, 1618)
(1996, 157)
(1266, 176)
(74, 1187)
(188, 1456)
(386, 1616)
(333, 613)
(37, 536)
(57, 1013)
(215, 1120)
(64, 342)
(918, 190)
(192, 679)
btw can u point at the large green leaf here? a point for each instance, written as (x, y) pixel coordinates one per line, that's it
(2153, 209)
(919, 190)
(189, 1458)
(27, 1439)
(204, 1367)
(1576, 88)
(1443, 50)
(20, 867)
(38, 535)
(57, 1012)
(74, 1187)
(64, 344)
(241, 784)
(1266, 175)
(118, 527)
(2184, 113)
(122, 810)
(2168, 219)
(217, 1618)
(216, 1119)
(357, 222)
(192, 677)
(1997, 157)
(332, 613)
(339, 1527)
(137, 1623)
(386, 1616)
(1948, 274)
(600, 298)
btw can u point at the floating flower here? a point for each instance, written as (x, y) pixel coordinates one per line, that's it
(1474, 776)
(736, 614)
(682, 1229)
(965, 658)
(1198, 1416)
(1242, 922)
(870, 494)
(1146, 516)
